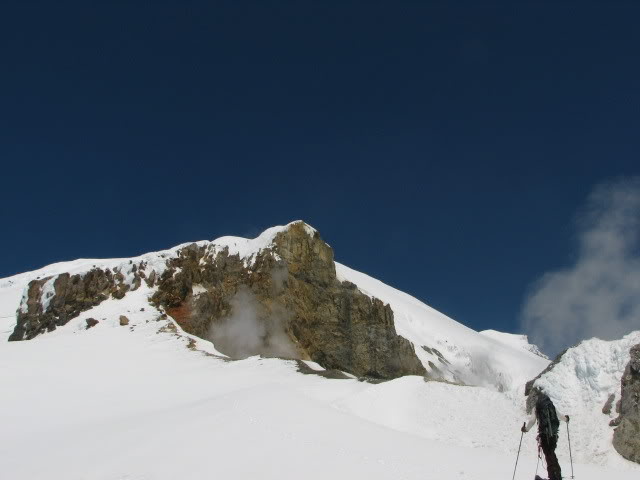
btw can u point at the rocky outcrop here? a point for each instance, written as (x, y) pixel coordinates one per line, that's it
(52, 302)
(285, 300)
(288, 303)
(626, 436)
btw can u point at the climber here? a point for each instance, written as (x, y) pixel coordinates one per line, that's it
(548, 422)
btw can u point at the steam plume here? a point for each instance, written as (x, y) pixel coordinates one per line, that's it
(250, 330)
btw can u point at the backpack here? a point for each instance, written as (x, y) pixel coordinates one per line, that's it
(548, 422)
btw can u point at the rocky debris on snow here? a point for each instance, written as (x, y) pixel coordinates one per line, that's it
(332, 374)
(51, 302)
(626, 436)
(91, 322)
(124, 320)
(436, 352)
(606, 409)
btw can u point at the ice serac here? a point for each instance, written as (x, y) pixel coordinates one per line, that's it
(585, 380)
(626, 436)
(276, 295)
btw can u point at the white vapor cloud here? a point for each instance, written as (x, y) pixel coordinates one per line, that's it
(598, 296)
(251, 330)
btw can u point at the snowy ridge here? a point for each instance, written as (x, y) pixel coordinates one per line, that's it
(247, 249)
(447, 349)
(461, 354)
(514, 340)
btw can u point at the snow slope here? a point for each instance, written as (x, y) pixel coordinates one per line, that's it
(473, 359)
(514, 340)
(136, 402)
(148, 401)
(459, 353)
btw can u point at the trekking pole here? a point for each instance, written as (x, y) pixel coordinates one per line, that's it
(569, 439)
(518, 456)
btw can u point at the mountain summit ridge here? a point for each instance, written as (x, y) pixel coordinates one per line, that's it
(141, 329)
(294, 290)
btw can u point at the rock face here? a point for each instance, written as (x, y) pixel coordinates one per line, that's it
(52, 302)
(626, 437)
(284, 301)
(289, 303)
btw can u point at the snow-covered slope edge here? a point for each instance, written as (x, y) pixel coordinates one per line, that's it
(514, 340)
(446, 348)
(458, 352)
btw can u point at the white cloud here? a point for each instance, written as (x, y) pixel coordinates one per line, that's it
(598, 296)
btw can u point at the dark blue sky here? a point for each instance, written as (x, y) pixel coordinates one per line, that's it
(443, 149)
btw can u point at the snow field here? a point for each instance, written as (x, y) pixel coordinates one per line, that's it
(147, 401)
(130, 402)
